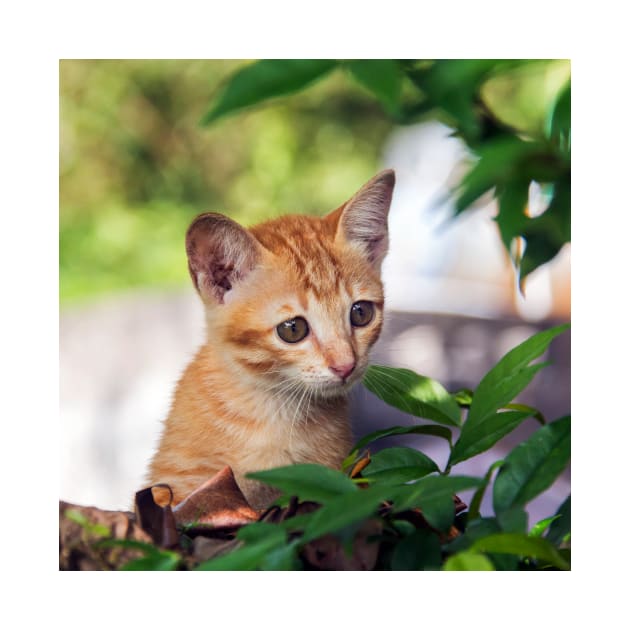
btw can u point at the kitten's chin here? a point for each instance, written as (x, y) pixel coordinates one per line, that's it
(334, 389)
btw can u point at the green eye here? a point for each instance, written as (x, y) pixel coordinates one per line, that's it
(361, 313)
(293, 330)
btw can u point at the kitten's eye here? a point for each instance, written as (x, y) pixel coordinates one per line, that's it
(361, 313)
(293, 330)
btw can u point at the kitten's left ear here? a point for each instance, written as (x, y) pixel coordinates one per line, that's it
(221, 253)
(362, 220)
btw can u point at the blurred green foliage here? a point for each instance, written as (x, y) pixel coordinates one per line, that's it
(136, 166)
(517, 129)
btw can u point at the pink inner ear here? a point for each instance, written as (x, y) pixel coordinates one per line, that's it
(220, 253)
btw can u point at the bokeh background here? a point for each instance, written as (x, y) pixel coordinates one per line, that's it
(136, 166)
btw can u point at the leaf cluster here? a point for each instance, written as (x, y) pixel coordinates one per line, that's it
(399, 488)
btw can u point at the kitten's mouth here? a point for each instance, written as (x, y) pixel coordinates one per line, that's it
(341, 385)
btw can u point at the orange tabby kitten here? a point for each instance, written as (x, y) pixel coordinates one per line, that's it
(292, 308)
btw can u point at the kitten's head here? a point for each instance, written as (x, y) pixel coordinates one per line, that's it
(297, 299)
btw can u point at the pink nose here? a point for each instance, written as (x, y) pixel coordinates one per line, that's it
(342, 371)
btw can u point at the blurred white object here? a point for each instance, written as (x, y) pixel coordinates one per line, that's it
(439, 263)
(119, 362)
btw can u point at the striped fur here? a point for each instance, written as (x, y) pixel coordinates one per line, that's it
(249, 399)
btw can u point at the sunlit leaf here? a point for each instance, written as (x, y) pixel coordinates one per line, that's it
(541, 526)
(463, 397)
(265, 79)
(162, 561)
(412, 393)
(468, 561)
(521, 545)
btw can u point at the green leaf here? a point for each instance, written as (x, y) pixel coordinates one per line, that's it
(521, 545)
(513, 520)
(344, 511)
(265, 79)
(468, 561)
(310, 482)
(382, 77)
(398, 465)
(500, 161)
(451, 86)
(154, 559)
(475, 503)
(533, 465)
(282, 559)
(419, 551)
(434, 496)
(561, 527)
(485, 424)
(259, 531)
(161, 561)
(95, 529)
(510, 375)
(546, 234)
(463, 397)
(248, 557)
(541, 527)
(560, 127)
(475, 529)
(475, 439)
(412, 393)
(511, 219)
(421, 429)
(532, 411)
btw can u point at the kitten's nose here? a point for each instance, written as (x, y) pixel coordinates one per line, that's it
(343, 370)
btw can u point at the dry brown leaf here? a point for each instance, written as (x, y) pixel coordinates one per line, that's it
(218, 502)
(157, 520)
(207, 548)
(360, 465)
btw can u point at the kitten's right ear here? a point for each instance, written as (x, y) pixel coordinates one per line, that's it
(220, 254)
(363, 219)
